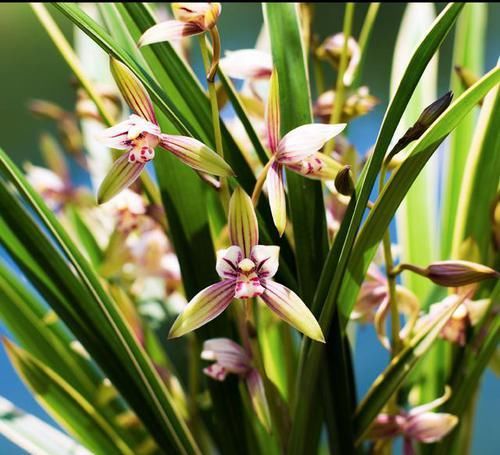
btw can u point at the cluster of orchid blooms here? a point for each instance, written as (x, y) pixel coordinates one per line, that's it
(247, 268)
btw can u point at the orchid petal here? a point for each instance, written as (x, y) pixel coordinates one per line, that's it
(169, 31)
(257, 394)
(248, 287)
(196, 155)
(216, 371)
(203, 14)
(203, 307)
(430, 427)
(317, 166)
(266, 259)
(227, 354)
(427, 407)
(273, 113)
(133, 91)
(121, 175)
(243, 227)
(247, 64)
(116, 137)
(289, 307)
(276, 194)
(227, 262)
(305, 140)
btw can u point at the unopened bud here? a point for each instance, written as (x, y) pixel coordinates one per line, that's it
(453, 273)
(428, 116)
(344, 181)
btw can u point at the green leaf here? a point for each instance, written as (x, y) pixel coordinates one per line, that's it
(418, 241)
(34, 435)
(333, 274)
(65, 404)
(108, 337)
(469, 53)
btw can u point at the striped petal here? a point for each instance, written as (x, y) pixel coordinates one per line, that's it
(204, 306)
(273, 113)
(317, 166)
(227, 354)
(168, 31)
(276, 194)
(266, 259)
(243, 227)
(133, 91)
(121, 175)
(289, 307)
(258, 398)
(227, 262)
(116, 137)
(196, 155)
(302, 142)
(429, 427)
(247, 64)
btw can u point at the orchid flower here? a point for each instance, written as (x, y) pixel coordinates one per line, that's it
(246, 270)
(419, 424)
(247, 64)
(231, 358)
(372, 305)
(140, 134)
(297, 151)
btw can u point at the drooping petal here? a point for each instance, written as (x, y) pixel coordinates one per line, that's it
(247, 64)
(430, 427)
(116, 137)
(203, 307)
(227, 354)
(203, 14)
(289, 307)
(305, 140)
(317, 166)
(196, 155)
(168, 31)
(276, 194)
(273, 113)
(133, 91)
(243, 227)
(266, 259)
(227, 262)
(121, 175)
(257, 394)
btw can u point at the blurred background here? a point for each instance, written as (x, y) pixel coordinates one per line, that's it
(32, 69)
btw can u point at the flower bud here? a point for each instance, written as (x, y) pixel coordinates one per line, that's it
(459, 273)
(344, 181)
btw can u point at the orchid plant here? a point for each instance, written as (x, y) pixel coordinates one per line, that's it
(217, 296)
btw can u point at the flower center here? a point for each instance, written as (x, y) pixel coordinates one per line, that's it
(143, 148)
(246, 265)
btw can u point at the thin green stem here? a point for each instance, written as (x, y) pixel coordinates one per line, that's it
(319, 76)
(338, 105)
(212, 93)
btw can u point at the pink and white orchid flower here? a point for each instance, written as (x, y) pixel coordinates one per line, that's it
(140, 134)
(191, 19)
(246, 269)
(247, 64)
(297, 151)
(419, 424)
(231, 358)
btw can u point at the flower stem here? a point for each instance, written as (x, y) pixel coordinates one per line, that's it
(211, 69)
(260, 182)
(339, 89)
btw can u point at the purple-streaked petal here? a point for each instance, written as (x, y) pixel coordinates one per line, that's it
(305, 140)
(243, 227)
(216, 371)
(227, 262)
(429, 427)
(276, 195)
(121, 175)
(273, 113)
(133, 91)
(247, 64)
(289, 307)
(317, 166)
(227, 354)
(203, 307)
(257, 394)
(266, 259)
(168, 31)
(116, 137)
(203, 14)
(196, 155)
